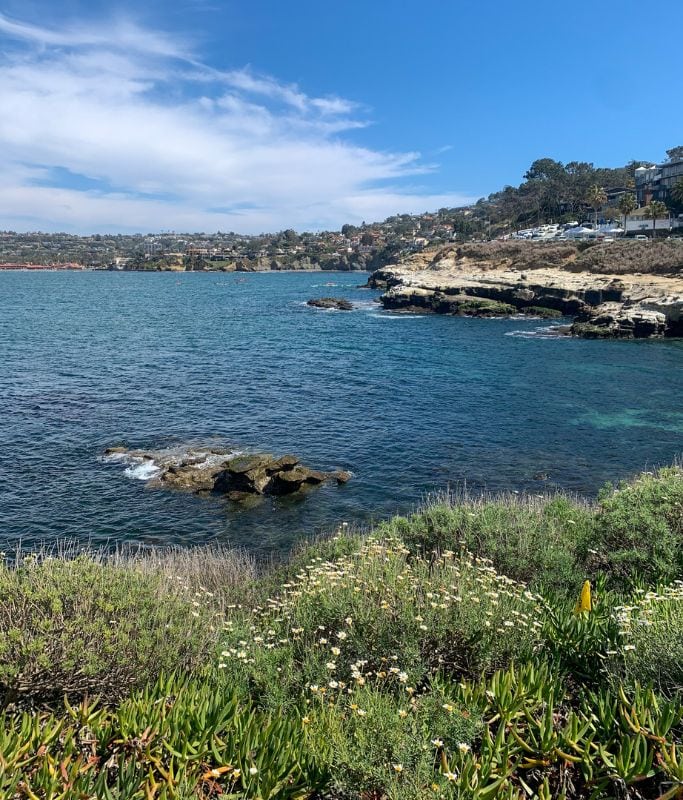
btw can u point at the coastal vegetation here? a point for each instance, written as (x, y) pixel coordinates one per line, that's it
(550, 191)
(492, 647)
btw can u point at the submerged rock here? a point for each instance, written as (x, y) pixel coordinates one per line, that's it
(338, 303)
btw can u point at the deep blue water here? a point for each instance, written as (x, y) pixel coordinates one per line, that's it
(408, 403)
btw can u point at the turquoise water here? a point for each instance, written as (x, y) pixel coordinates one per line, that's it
(410, 404)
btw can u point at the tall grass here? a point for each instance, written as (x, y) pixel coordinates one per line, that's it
(76, 621)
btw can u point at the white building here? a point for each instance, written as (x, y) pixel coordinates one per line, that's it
(639, 222)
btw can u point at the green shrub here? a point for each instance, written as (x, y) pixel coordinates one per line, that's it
(535, 541)
(653, 638)
(380, 614)
(639, 529)
(70, 627)
(388, 745)
(582, 645)
(540, 740)
(543, 311)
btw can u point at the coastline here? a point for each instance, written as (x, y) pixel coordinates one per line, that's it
(606, 301)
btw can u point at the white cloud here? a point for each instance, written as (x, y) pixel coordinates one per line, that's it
(117, 34)
(175, 144)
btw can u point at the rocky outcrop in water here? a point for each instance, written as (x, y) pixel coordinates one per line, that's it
(240, 477)
(543, 280)
(336, 303)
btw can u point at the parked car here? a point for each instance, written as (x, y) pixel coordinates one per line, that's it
(641, 237)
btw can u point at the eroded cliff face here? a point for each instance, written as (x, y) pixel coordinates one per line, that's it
(546, 279)
(347, 262)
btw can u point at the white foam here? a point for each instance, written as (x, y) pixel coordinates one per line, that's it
(549, 332)
(397, 315)
(114, 457)
(144, 470)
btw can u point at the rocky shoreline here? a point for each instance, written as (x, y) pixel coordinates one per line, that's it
(494, 280)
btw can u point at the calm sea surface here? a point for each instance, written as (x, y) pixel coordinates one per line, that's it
(408, 403)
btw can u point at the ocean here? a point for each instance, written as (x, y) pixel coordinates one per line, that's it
(411, 404)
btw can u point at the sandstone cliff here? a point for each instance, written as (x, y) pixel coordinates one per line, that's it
(623, 289)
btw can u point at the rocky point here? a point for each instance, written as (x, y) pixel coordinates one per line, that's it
(599, 286)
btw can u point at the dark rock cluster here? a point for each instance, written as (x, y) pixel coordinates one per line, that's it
(240, 478)
(338, 303)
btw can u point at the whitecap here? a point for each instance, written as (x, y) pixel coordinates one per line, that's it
(547, 332)
(147, 467)
(397, 315)
(144, 470)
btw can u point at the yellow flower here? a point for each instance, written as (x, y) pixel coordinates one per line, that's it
(585, 602)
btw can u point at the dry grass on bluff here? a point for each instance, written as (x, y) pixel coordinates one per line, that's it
(621, 257)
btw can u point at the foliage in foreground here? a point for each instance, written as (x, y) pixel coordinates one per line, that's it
(379, 613)
(402, 666)
(176, 740)
(68, 627)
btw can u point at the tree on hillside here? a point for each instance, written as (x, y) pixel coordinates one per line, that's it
(655, 211)
(580, 175)
(596, 198)
(677, 194)
(543, 189)
(627, 204)
(675, 153)
(544, 169)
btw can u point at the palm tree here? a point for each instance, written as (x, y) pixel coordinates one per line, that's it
(677, 192)
(627, 204)
(654, 211)
(596, 198)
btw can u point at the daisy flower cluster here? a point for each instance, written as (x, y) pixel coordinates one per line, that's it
(651, 616)
(383, 615)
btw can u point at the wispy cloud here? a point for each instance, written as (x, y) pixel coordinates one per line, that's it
(169, 139)
(115, 34)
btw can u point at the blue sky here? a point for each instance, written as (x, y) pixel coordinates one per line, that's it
(261, 115)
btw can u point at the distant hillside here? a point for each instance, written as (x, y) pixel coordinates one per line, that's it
(550, 191)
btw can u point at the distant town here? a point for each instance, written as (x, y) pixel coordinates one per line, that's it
(554, 202)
